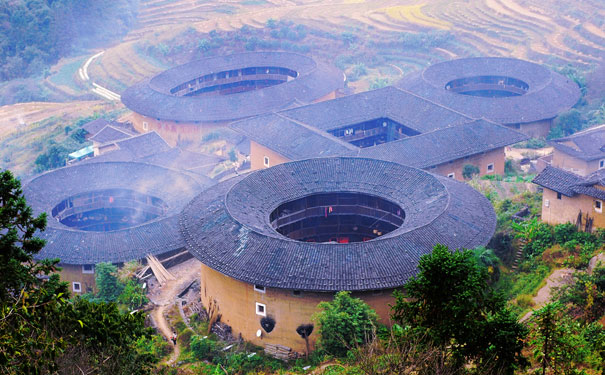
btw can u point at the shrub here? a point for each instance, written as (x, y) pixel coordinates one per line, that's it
(564, 232)
(203, 348)
(344, 323)
(525, 301)
(185, 337)
(469, 170)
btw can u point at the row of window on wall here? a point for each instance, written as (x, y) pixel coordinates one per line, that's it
(489, 169)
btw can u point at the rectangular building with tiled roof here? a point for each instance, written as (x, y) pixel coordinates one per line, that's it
(581, 153)
(572, 198)
(388, 124)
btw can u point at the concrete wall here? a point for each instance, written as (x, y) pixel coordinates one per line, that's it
(258, 154)
(565, 161)
(496, 157)
(73, 273)
(566, 209)
(236, 301)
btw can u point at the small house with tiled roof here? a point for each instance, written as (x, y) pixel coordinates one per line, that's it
(581, 153)
(389, 124)
(275, 242)
(572, 198)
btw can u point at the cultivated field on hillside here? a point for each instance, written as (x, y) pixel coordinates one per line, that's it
(374, 42)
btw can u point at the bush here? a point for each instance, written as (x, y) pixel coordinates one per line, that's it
(533, 143)
(469, 170)
(564, 232)
(525, 301)
(185, 337)
(203, 348)
(344, 323)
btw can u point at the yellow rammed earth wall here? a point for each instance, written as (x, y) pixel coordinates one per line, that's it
(566, 209)
(536, 129)
(496, 157)
(73, 273)
(258, 154)
(236, 303)
(174, 132)
(575, 165)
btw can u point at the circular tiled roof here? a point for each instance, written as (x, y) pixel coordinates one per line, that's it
(152, 97)
(547, 95)
(228, 228)
(75, 246)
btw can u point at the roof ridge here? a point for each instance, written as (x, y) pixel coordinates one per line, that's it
(318, 131)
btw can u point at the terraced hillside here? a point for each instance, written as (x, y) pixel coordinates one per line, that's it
(373, 41)
(545, 31)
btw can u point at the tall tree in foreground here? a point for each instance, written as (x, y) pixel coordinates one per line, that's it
(41, 330)
(451, 305)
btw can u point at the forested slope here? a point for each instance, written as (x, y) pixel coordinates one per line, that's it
(36, 33)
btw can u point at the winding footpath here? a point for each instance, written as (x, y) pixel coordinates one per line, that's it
(165, 296)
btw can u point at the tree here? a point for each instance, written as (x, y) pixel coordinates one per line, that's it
(556, 340)
(469, 170)
(18, 243)
(106, 279)
(451, 304)
(344, 323)
(41, 329)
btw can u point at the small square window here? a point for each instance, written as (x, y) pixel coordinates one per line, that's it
(601, 164)
(452, 175)
(259, 288)
(76, 287)
(377, 292)
(88, 268)
(558, 195)
(598, 206)
(261, 309)
(490, 167)
(266, 161)
(296, 293)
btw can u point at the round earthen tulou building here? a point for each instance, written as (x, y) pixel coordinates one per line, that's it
(110, 212)
(188, 101)
(516, 93)
(276, 242)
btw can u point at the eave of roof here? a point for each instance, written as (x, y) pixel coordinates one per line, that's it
(315, 80)
(226, 227)
(549, 93)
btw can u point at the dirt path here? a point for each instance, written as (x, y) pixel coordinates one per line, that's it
(165, 296)
(556, 279)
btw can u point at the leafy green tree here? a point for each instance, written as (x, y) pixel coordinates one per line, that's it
(567, 123)
(132, 296)
(54, 157)
(557, 344)
(18, 243)
(108, 286)
(344, 323)
(41, 330)
(537, 236)
(487, 258)
(451, 305)
(469, 170)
